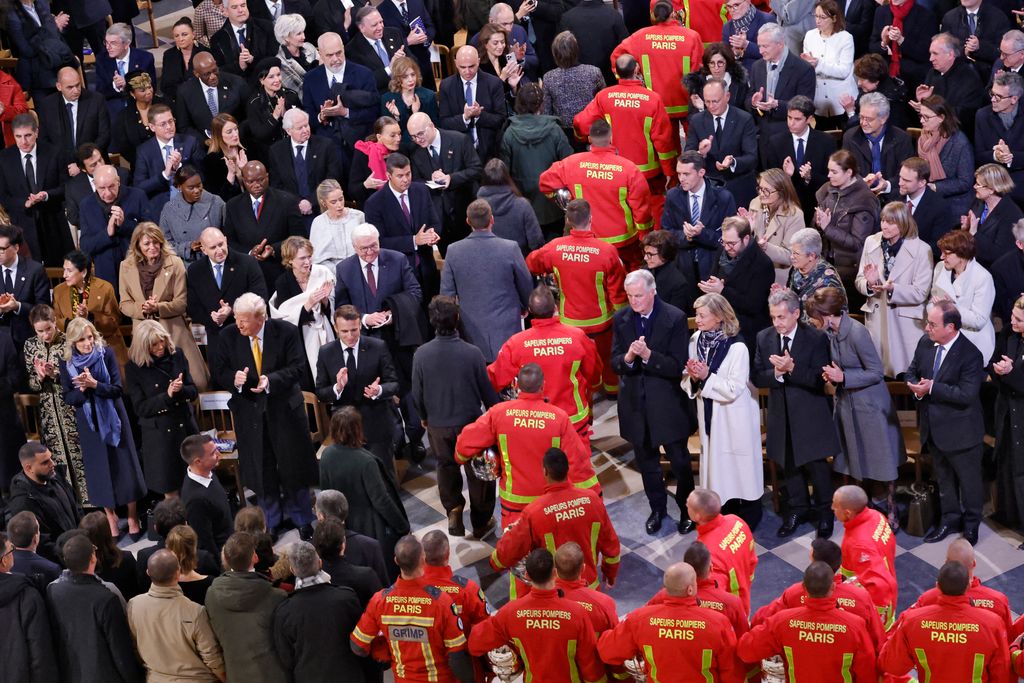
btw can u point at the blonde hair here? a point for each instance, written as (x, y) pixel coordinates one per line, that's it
(324, 190)
(719, 307)
(398, 70)
(898, 213)
(291, 247)
(995, 177)
(183, 542)
(152, 231)
(76, 330)
(777, 179)
(143, 336)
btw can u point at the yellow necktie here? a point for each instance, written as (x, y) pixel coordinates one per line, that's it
(257, 355)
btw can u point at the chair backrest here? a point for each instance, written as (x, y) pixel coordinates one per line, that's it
(316, 412)
(28, 411)
(213, 413)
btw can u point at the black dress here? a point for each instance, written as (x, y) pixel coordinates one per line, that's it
(196, 590)
(164, 421)
(124, 575)
(357, 175)
(176, 71)
(130, 130)
(261, 129)
(215, 177)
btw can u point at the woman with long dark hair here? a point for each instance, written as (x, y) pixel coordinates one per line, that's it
(718, 62)
(112, 564)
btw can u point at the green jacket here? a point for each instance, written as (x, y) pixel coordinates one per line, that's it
(532, 142)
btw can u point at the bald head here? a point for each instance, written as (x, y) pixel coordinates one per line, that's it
(962, 551)
(848, 502)
(467, 61)
(680, 580)
(703, 505)
(569, 561)
(162, 568)
(105, 173)
(421, 129)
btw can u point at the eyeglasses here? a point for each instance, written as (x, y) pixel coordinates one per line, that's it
(419, 135)
(1004, 55)
(822, 16)
(650, 254)
(766, 191)
(729, 243)
(928, 117)
(5, 248)
(996, 97)
(368, 249)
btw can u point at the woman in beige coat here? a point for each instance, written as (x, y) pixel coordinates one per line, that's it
(895, 275)
(152, 283)
(775, 215)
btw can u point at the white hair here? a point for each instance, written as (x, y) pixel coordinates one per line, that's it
(773, 31)
(643, 277)
(252, 304)
(288, 121)
(121, 31)
(809, 239)
(496, 9)
(364, 230)
(877, 101)
(288, 25)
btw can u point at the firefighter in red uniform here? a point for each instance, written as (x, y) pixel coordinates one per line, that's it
(566, 354)
(551, 635)
(677, 639)
(614, 186)
(600, 607)
(523, 430)
(981, 596)
(818, 641)
(848, 595)
(951, 641)
(414, 626)
(591, 281)
(869, 549)
(641, 127)
(469, 600)
(706, 17)
(564, 513)
(730, 541)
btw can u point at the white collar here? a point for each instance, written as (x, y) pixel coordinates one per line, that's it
(948, 345)
(338, 75)
(199, 479)
(32, 151)
(724, 115)
(398, 196)
(299, 144)
(699, 192)
(436, 144)
(806, 134)
(125, 59)
(13, 267)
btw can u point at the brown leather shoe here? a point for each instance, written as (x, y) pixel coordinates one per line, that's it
(482, 532)
(455, 525)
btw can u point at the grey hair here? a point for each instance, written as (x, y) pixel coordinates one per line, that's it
(288, 25)
(1012, 81)
(288, 120)
(332, 503)
(876, 100)
(1016, 37)
(785, 297)
(809, 239)
(303, 560)
(121, 31)
(364, 230)
(1018, 230)
(951, 42)
(496, 8)
(773, 31)
(250, 303)
(643, 277)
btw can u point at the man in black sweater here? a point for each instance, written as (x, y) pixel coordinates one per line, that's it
(206, 501)
(449, 382)
(39, 489)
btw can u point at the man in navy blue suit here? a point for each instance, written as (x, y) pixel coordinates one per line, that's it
(483, 118)
(107, 219)
(117, 60)
(413, 20)
(163, 154)
(408, 221)
(25, 281)
(340, 98)
(775, 78)
(391, 275)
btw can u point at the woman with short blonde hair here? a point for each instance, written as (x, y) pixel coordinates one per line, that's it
(992, 214)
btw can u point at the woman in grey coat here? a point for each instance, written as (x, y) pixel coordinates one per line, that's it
(869, 430)
(189, 212)
(948, 153)
(514, 218)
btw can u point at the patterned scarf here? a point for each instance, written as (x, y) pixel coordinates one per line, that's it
(741, 24)
(889, 252)
(712, 348)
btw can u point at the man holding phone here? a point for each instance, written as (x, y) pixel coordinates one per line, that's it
(412, 19)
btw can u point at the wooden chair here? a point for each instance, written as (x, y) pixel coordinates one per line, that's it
(443, 68)
(915, 133)
(28, 412)
(55, 276)
(147, 6)
(837, 135)
(316, 412)
(213, 413)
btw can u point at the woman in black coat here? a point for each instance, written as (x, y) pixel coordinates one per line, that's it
(131, 126)
(660, 258)
(112, 564)
(161, 391)
(177, 67)
(918, 27)
(265, 111)
(992, 214)
(1007, 371)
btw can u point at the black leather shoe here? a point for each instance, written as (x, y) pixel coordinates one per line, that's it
(971, 536)
(653, 525)
(939, 533)
(685, 526)
(789, 525)
(416, 453)
(826, 526)
(456, 527)
(306, 532)
(482, 532)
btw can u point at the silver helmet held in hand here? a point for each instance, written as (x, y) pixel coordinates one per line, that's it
(562, 198)
(487, 465)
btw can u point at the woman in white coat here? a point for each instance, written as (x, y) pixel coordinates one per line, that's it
(895, 275)
(718, 376)
(965, 282)
(829, 49)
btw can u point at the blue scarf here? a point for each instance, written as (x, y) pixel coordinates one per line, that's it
(876, 149)
(100, 413)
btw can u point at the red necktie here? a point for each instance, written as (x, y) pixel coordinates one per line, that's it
(405, 208)
(370, 280)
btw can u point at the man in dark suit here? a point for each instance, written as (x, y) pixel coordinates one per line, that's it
(744, 42)
(361, 549)
(114, 61)
(860, 19)
(945, 376)
(802, 152)
(206, 501)
(192, 108)
(108, 219)
(1011, 55)
(302, 161)
(332, 16)
(744, 275)
(878, 147)
(770, 93)
(242, 41)
(161, 156)
(261, 359)
(73, 116)
(391, 274)
(23, 284)
(649, 352)
(271, 11)
(357, 371)
(953, 77)
(801, 432)
(446, 158)
(598, 29)
(215, 281)
(694, 211)
(261, 218)
(340, 98)
(727, 139)
(375, 45)
(80, 186)
(408, 222)
(1008, 275)
(402, 15)
(32, 191)
(88, 21)
(23, 533)
(979, 26)
(999, 130)
(473, 103)
(930, 210)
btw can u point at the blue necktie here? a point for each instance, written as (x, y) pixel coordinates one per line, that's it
(938, 361)
(799, 154)
(469, 102)
(211, 101)
(972, 21)
(218, 273)
(241, 38)
(694, 210)
(301, 175)
(256, 209)
(984, 213)
(382, 53)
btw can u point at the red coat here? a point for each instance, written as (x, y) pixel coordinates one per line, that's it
(951, 641)
(590, 277)
(847, 595)
(419, 624)
(641, 128)
(568, 358)
(17, 105)
(679, 641)
(470, 603)
(981, 596)
(551, 635)
(733, 557)
(523, 430)
(706, 17)
(710, 596)
(869, 553)
(666, 52)
(620, 199)
(564, 513)
(819, 643)
(600, 608)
